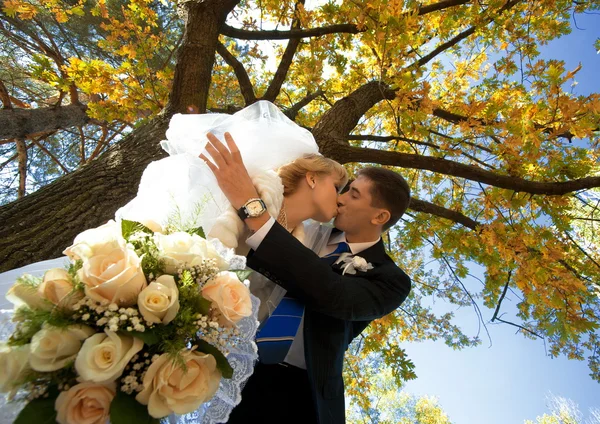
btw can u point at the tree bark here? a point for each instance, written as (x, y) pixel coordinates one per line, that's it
(42, 224)
(196, 55)
(24, 123)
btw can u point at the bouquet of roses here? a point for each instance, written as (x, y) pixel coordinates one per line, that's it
(138, 327)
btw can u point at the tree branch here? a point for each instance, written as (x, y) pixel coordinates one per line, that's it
(389, 138)
(38, 143)
(23, 123)
(285, 63)
(292, 112)
(470, 172)
(430, 208)
(458, 38)
(241, 74)
(242, 34)
(4, 96)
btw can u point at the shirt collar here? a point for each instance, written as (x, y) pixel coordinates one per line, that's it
(355, 248)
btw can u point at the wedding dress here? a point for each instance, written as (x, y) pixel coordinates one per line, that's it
(181, 191)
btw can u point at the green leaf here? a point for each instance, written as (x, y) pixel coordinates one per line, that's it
(203, 305)
(199, 231)
(130, 227)
(39, 411)
(149, 337)
(124, 409)
(222, 362)
(243, 274)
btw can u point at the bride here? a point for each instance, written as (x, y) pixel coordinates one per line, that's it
(179, 191)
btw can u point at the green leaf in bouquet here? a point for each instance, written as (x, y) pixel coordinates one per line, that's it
(202, 305)
(149, 337)
(243, 274)
(199, 231)
(222, 362)
(39, 411)
(130, 227)
(124, 409)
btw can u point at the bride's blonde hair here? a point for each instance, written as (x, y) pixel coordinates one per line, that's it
(292, 173)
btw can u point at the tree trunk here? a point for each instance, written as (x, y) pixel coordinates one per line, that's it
(42, 224)
(196, 56)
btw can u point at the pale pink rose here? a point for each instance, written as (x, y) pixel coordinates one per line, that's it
(229, 296)
(96, 241)
(159, 302)
(85, 403)
(168, 388)
(113, 276)
(104, 356)
(57, 288)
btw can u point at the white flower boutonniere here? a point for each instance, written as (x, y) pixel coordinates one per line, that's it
(353, 263)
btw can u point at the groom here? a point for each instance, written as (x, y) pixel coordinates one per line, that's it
(302, 345)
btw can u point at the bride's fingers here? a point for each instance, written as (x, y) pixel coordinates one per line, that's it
(233, 148)
(216, 156)
(212, 167)
(220, 147)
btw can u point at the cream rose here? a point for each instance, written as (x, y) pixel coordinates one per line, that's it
(180, 249)
(159, 302)
(85, 403)
(113, 276)
(230, 296)
(14, 361)
(168, 388)
(152, 225)
(25, 293)
(95, 241)
(57, 288)
(103, 356)
(53, 348)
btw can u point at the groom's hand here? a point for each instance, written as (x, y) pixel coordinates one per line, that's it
(229, 169)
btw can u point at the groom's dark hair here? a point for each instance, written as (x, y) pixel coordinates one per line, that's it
(388, 191)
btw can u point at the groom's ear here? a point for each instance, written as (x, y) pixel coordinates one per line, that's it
(382, 217)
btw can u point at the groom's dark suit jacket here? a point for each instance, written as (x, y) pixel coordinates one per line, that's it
(338, 308)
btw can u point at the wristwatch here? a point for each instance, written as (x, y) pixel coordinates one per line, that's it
(253, 208)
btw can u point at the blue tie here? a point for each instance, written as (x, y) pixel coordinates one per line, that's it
(276, 337)
(342, 247)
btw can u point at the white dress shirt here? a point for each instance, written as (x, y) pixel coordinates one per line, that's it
(295, 355)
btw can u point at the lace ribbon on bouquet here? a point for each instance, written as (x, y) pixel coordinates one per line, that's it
(242, 359)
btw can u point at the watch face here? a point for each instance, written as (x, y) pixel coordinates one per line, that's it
(254, 208)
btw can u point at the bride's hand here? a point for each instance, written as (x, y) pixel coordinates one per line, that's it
(229, 169)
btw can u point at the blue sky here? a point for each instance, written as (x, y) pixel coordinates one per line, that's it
(509, 381)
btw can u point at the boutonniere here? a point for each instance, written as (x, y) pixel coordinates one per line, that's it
(351, 264)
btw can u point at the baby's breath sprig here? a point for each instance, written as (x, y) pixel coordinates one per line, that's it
(196, 276)
(110, 316)
(133, 376)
